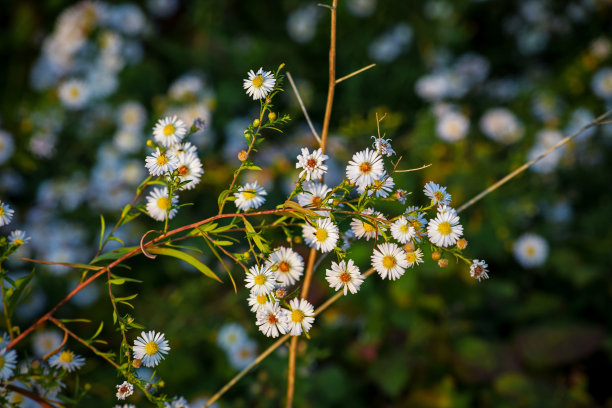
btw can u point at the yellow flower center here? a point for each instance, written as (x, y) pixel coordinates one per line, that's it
(18, 241)
(169, 129)
(249, 194)
(438, 195)
(66, 356)
(260, 279)
(321, 234)
(1, 211)
(244, 353)
(365, 167)
(258, 81)
(297, 316)
(411, 257)
(444, 228)
(163, 203)
(272, 318)
(530, 251)
(262, 299)
(316, 200)
(404, 228)
(151, 348)
(74, 92)
(231, 338)
(416, 224)
(389, 262)
(284, 266)
(345, 277)
(1, 362)
(378, 184)
(368, 227)
(162, 159)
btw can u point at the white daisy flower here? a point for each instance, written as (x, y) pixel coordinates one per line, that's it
(417, 221)
(183, 148)
(159, 205)
(46, 341)
(501, 125)
(444, 230)
(125, 406)
(382, 187)
(169, 131)
(402, 231)
(313, 195)
(67, 360)
(383, 146)
(74, 94)
(414, 257)
(271, 321)
(287, 264)
(400, 195)
(250, 196)
(367, 227)
(124, 390)
(131, 115)
(150, 348)
(6, 214)
(365, 167)
(312, 163)
(189, 168)
(344, 275)
(478, 270)
(322, 236)
(437, 194)
(8, 362)
(300, 317)
(18, 237)
(389, 260)
(452, 126)
(259, 84)
(530, 250)
(159, 163)
(257, 302)
(177, 402)
(243, 354)
(260, 279)
(230, 335)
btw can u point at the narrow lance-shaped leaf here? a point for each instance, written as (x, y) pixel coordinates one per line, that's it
(185, 257)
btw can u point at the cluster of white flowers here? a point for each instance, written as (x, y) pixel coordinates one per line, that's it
(282, 269)
(176, 162)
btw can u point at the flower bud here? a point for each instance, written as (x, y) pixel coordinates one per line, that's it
(409, 246)
(271, 116)
(256, 122)
(150, 144)
(243, 155)
(297, 239)
(435, 255)
(462, 244)
(280, 293)
(136, 363)
(246, 254)
(443, 263)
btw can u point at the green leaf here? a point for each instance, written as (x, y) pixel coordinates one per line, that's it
(251, 233)
(97, 333)
(102, 228)
(14, 294)
(222, 197)
(114, 238)
(75, 320)
(190, 259)
(114, 254)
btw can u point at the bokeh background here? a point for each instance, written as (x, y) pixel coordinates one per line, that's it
(474, 87)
